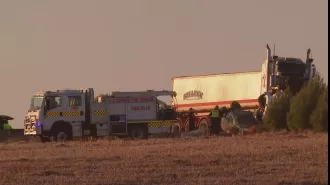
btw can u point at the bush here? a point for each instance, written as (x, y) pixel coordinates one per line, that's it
(319, 117)
(277, 110)
(304, 103)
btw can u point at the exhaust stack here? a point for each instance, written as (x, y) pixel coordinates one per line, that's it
(310, 68)
(269, 53)
(271, 67)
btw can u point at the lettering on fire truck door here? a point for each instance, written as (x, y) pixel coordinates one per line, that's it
(141, 109)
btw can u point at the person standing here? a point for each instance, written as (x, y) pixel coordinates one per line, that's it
(215, 120)
(192, 119)
(7, 127)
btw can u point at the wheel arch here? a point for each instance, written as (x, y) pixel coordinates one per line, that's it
(62, 126)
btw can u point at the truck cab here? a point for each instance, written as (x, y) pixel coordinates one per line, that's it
(64, 112)
(280, 73)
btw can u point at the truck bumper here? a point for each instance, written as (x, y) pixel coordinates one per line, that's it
(30, 129)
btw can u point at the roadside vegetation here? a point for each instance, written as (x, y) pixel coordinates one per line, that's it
(307, 110)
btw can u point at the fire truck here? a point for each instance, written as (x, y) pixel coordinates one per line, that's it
(252, 90)
(76, 113)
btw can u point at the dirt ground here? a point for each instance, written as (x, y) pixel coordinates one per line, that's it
(279, 159)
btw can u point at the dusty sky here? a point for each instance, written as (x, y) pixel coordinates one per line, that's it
(140, 44)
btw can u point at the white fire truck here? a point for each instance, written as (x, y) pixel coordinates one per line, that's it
(75, 113)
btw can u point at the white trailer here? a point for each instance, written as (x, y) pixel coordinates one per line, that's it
(206, 91)
(252, 90)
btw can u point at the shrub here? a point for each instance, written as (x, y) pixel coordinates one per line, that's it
(277, 110)
(319, 117)
(304, 103)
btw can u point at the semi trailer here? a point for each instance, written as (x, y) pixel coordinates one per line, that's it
(252, 90)
(75, 113)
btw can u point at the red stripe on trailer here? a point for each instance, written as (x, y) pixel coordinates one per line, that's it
(215, 103)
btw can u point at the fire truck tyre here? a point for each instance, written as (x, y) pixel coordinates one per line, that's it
(62, 132)
(204, 128)
(186, 128)
(138, 133)
(175, 130)
(44, 139)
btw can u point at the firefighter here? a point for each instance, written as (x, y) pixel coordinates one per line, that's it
(192, 119)
(6, 125)
(215, 120)
(6, 128)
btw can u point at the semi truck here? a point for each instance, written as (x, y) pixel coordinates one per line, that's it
(75, 113)
(252, 90)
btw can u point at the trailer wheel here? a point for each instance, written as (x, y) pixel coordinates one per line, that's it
(138, 133)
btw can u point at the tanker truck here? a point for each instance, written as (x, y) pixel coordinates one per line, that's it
(252, 90)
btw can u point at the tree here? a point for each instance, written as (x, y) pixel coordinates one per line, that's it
(319, 117)
(304, 103)
(277, 110)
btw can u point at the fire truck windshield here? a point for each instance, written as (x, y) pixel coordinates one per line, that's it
(36, 102)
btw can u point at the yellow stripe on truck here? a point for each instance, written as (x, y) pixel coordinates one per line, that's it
(52, 114)
(167, 124)
(155, 123)
(77, 113)
(67, 113)
(100, 112)
(71, 113)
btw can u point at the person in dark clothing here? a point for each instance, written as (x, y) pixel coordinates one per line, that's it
(192, 119)
(215, 120)
(2, 122)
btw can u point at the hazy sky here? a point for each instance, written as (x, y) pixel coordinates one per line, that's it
(139, 44)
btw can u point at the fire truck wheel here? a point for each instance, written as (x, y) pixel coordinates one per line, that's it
(175, 130)
(137, 133)
(62, 131)
(186, 129)
(44, 139)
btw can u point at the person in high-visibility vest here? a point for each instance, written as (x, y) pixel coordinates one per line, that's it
(6, 126)
(6, 129)
(215, 120)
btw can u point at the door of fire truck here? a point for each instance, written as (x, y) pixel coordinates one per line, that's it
(118, 125)
(118, 118)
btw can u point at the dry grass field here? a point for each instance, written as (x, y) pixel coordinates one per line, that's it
(270, 159)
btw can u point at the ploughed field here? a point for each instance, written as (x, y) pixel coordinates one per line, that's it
(263, 159)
